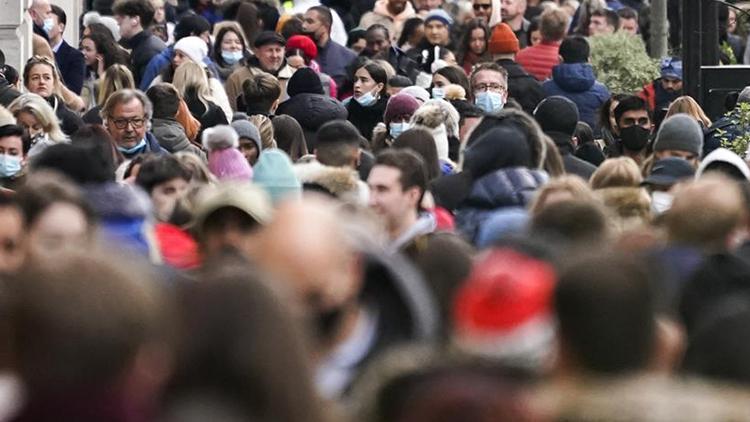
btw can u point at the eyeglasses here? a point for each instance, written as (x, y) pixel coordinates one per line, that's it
(478, 6)
(489, 87)
(136, 122)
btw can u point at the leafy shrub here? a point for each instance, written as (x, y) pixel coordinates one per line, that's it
(738, 140)
(621, 63)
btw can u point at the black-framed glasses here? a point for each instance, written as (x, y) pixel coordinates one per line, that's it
(136, 122)
(478, 6)
(489, 87)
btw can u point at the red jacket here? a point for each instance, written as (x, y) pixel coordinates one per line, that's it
(649, 95)
(539, 60)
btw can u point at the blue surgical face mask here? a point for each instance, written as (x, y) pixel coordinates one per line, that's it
(48, 24)
(398, 128)
(489, 102)
(133, 150)
(9, 165)
(231, 57)
(366, 99)
(438, 93)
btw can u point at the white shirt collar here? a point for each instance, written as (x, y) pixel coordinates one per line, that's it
(57, 47)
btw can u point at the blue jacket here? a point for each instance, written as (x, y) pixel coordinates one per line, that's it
(161, 60)
(576, 81)
(496, 192)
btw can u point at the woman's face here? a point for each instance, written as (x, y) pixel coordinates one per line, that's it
(439, 81)
(296, 61)
(536, 37)
(27, 121)
(40, 80)
(732, 21)
(363, 83)
(477, 44)
(90, 55)
(179, 58)
(60, 225)
(231, 42)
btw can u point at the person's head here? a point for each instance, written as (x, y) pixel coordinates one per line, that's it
(607, 113)
(13, 150)
(261, 93)
(190, 48)
(398, 113)
(671, 75)
(503, 43)
(126, 116)
(705, 214)
(378, 39)
(553, 24)
(397, 183)
(196, 168)
(115, 78)
(427, 5)
(317, 24)
(628, 20)
(687, 105)
(606, 317)
(476, 37)
(489, 86)
(357, 41)
(60, 21)
(603, 21)
(36, 116)
(421, 142)
(412, 32)
(229, 47)
(558, 117)
(165, 100)
(369, 82)
(631, 112)
(250, 143)
(575, 49)
(225, 160)
(56, 214)
(449, 75)
(265, 128)
(396, 7)
(133, 16)
(397, 83)
(679, 136)
(513, 10)
(165, 180)
(99, 47)
(437, 26)
(575, 224)
(290, 137)
(534, 36)
(300, 51)
(12, 234)
(40, 76)
(616, 172)
(269, 50)
(560, 189)
(192, 25)
(483, 10)
(337, 144)
(41, 14)
(190, 78)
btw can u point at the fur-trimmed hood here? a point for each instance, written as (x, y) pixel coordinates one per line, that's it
(341, 182)
(435, 112)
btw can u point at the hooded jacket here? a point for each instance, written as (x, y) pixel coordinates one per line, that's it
(340, 182)
(576, 81)
(171, 136)
(522, 87)
(311, 111)
(381, 15)
(722, 155)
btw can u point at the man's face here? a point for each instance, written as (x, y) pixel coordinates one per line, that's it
(270, 56)
(127, 125)
(59, 226)
(313, 26)
(629, 25)
(12, 239)
(387, 197)
(634, 117)
(511, 9)
(674, 153)
(228, 229)
(427, 5)
(377, 42)
(250, 150)
(436, 32)
(165, 195)
(40, 11)
(482, 9)
(396, 6)
(489, 80)
(671, 85)
(129, 25)
(599, 25)
(57, 29)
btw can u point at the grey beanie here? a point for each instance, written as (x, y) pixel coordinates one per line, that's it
(680, 132)
(245, 129)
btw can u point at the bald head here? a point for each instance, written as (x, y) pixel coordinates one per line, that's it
(39, 11)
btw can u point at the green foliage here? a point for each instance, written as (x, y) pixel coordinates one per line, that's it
(621, 63)
(741, 118)
(727, 49)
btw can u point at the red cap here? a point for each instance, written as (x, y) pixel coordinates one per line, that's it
(304, 43)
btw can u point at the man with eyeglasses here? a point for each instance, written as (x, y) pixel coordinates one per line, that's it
(488, 11)
(127, 116)
(489, 84)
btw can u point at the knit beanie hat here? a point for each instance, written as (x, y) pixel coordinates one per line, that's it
(440, 15)
(400, 105)
(304, 81)
(191, 25)
(224, 159)
(680, 132)
(247, 130)
(304, 43)
(193, 47)
(503, 310)
(671, 68)
(274, 172)
(503, 40)
(417, 92)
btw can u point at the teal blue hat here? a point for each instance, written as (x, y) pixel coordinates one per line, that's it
(275, 174)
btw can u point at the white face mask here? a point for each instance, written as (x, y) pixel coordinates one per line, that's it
(661, 202)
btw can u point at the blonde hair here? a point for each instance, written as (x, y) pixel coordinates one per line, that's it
(192, 76)
(117, 77)
(43, 59)
(687, 105)
(574, 185)
(265, 127)
(389, 70)
(199, 172)
(42, 112)
(616, 172)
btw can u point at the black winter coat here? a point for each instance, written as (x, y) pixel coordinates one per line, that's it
(311, 111)
(522, 87)
(144, 46)
(366, 118)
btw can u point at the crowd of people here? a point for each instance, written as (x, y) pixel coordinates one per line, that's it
(366, 210)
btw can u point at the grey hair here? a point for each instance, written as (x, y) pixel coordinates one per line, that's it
(125, 96)
(744, 96)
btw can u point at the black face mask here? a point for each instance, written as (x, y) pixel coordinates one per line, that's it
(635, 137)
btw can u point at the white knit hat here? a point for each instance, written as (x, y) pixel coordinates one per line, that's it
(193, 47)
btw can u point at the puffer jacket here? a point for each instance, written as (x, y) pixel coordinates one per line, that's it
(312, 111)
(576, 81)
(496, 192)
(539, 60)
